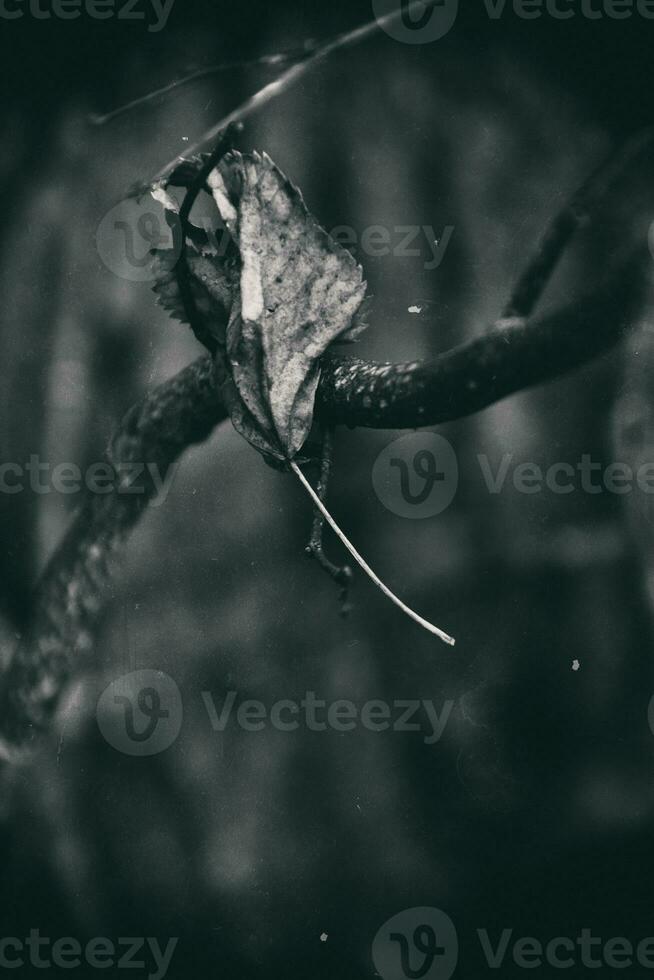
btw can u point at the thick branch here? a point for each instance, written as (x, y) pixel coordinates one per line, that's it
(514, 355)
(72, 591)
(184, 411)
(473, 376)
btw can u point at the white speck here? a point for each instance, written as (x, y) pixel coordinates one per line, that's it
(185, 138)
(575, 665)
(324, 937)
(163, 197)
(415, 309)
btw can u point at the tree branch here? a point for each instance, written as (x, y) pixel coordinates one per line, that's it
(593, 191)
(502, 361)
(515, 354)
(72, 591)
(183, 411)
(294, 74)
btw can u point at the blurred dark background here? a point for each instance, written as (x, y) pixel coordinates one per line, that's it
(535, 810)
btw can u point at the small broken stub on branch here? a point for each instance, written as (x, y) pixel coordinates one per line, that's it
(268, 290)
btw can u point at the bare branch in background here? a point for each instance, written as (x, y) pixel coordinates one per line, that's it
(292, 75)
(292, 56)
(539, 270)
(507, 359)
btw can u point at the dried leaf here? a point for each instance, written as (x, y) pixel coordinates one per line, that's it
(299, 292)
(211, 287)
(274, 309)
(274, 302)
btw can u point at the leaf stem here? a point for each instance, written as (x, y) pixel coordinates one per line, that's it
(363, 564)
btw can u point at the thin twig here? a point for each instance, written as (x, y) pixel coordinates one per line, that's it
(539, 270)
(288, 78)
(182, 271)
(342, 575)
(266, 61)
(224, 143)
